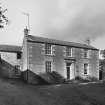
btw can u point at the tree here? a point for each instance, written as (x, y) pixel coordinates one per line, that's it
(3, 18)
(102, 52)
(102, 63)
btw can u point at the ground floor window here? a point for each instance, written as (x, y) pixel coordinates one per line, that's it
(48, 66)
(86, 67)
(17, 68)
(100, 75)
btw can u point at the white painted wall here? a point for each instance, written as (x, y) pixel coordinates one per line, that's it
(10, 57)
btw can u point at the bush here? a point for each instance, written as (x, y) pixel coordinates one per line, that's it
(78, 78)
(52, 77)
(32, 78)
(58, 77)
(92, 78)
(48, 77)
(87, 79)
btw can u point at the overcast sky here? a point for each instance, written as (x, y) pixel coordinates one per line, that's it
(71, 20)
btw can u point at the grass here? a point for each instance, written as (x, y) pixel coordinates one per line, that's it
(14, 92)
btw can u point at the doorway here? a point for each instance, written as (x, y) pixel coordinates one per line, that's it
(68, 70)
(100, 75)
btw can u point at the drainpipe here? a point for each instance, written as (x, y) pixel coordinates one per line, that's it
(26, 33)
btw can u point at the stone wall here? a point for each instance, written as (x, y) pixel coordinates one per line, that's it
(37, 60)
(10, 57)
(7, 64)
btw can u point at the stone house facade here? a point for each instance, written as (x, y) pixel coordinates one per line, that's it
(69, 59)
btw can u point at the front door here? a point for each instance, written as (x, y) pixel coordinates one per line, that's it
(68, 70)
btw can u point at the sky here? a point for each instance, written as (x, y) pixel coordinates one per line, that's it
(70, 20)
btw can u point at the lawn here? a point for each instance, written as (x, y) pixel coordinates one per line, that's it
(14, 92)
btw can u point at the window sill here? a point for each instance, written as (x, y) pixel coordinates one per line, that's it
(85, 58)
(85, 75)
(49, 55)
(70, 57)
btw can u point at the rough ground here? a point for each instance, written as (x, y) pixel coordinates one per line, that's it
(14, 92)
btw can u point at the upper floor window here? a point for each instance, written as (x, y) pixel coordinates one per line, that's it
(86, 53)
(18, 55)
(48, 49)
(86, 66)
(68, 51)
(48, 66)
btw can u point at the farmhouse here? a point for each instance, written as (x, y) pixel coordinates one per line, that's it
(69, 59)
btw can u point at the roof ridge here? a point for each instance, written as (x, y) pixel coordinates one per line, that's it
(9, 45)
(10, 48)
(54, 39)
(63, 42)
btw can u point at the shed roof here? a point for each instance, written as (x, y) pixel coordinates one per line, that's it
(10, 48)
(58, 42)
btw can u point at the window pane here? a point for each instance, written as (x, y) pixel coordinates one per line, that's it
(85, 68)
(68, 51)
(18, 55)
(17, 67)
(48, 49)
(68, 64)
(48, 66)
(85, 53)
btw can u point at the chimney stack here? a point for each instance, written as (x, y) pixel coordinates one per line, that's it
(87, 41)
(26, 31)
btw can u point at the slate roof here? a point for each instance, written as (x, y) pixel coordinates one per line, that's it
(10, 48)
(58, 42)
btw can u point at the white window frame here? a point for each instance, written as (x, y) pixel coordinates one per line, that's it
(48, 66)
(87, 53)
(87, 72)
(69, 50)
(46, 50)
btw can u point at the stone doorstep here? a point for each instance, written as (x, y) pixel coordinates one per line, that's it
(88, 83)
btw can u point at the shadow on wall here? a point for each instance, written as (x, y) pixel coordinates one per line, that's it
(32, 78)
(43, 78)
(53, 77)
(7, 70)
